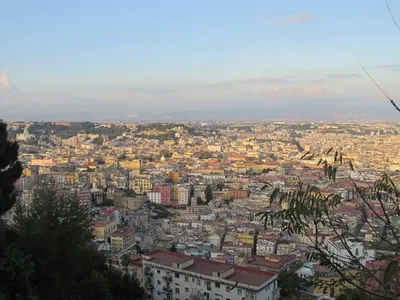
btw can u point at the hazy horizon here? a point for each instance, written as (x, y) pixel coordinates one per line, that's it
(96, 60)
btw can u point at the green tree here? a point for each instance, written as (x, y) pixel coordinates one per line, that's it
(124, 287)
(98, 141)
(16, 268)
(10, 169)
(173, 248)
(290, 283)
(310, 211)
(56, 232)
(125, 261)
(208, 193)
(205, 155)
(199, 201)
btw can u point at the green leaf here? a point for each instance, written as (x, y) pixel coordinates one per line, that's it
(330, 172)
(351, 165)
(273, 195)
(305, 154)
(390, 270)
(334, 174)
(329, 151)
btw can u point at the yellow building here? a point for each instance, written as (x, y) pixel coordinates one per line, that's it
(110, 161)
(245, 238)
(70, 178)
(130, 164)
(103, 230)
(169, 142)
(174, 176)
(142, 184)
(123, 238)
(27, 172)
(174, 193)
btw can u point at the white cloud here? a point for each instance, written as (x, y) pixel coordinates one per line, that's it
(4, 80)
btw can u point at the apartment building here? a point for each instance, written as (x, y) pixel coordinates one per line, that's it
(165, 191)
(142, 184)
(123, 238)
(174, 176)
(238, 194)
(175, 276)
(84, 197)
(103, 230)
(154, 197)
(183, 194)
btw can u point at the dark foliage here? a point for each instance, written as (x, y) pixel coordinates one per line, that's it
(10, 169)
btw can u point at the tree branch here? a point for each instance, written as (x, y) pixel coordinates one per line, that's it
(378, 86)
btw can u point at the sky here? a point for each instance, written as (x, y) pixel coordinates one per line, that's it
(130, 59)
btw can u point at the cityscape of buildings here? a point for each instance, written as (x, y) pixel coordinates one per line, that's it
(182, 199)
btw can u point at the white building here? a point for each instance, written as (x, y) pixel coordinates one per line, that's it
(154, 197)
(214, 148)
(208, 217)
(337, 250)
(175, 276)
(183, 195)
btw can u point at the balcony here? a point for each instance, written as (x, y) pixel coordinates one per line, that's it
(168, 277)
(148, 272)
(149, 286)
(166, 290)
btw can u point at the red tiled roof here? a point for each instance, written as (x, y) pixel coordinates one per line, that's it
(272, 261)
(243, 275)
(124, 231)
(102, 224)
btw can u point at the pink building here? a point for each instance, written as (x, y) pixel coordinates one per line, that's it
(165, 191)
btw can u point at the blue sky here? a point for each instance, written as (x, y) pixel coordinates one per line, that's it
(169, 55)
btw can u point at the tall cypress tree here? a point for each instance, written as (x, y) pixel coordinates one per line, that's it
(15, 267)
(10, 169)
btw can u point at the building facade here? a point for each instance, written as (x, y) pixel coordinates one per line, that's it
(175, 276)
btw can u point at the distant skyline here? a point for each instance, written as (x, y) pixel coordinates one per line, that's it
(130, 60)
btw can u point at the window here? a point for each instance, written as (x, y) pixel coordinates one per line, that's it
(176, 291)
(239, 292)
(192, 279)
(158, 272)
(158, 282)
(187, 290)
(176, 275)
(357, 252)
(198, 282)
(217, 285)
(228, 289)
(252, 296)
(186, 279)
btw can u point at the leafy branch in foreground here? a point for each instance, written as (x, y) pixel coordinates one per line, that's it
(314, 216)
